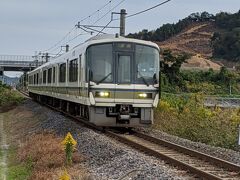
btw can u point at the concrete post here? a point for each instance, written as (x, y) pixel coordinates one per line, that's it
(67, 48)
(122, 22)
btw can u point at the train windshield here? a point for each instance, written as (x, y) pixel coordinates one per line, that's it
(135, 63)
(147, 64)
(101, 63)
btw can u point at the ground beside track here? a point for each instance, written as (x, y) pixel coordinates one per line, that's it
(28, 151)
(104, 158)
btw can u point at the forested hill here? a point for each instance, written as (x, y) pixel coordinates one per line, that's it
(210, 35)
(226, 41)
(169, 30)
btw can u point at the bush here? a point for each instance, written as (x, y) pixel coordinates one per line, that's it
(186, 117)
(9, 97)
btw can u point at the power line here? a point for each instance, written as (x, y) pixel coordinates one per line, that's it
(143, 11)
(60, 40)
(108, 12)
(101, 8)
(76, 37)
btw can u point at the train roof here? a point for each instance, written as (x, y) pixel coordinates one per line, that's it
(105, 38)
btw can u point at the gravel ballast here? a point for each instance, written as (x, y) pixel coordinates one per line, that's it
(105, 158)
(108, 159)
(222, 153)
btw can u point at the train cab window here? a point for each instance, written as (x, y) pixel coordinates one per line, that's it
(73, 70)
(44, 76)
(100, 59)
(54, 72)
(147, 64)
(124, 69)
(62, 73)
(49, 75)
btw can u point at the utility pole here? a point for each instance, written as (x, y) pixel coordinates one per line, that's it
(47, 57)
(122, 22)
(67, 48)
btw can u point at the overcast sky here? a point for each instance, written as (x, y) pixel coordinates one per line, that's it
(27, 26)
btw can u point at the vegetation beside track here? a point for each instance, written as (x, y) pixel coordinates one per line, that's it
(38, 154)
(15, 168)
(8, 97)
(186, 117)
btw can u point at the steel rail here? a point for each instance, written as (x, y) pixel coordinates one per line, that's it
(195, 155)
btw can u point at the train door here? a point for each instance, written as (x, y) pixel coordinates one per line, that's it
(124, 91)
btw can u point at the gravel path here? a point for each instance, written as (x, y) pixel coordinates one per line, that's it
(105, 157)
(226, 154)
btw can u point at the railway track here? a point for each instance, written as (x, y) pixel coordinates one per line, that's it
(200, 165)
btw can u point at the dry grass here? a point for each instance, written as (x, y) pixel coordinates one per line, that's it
(48, 159)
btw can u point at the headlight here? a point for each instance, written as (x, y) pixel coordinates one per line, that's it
(102, 94)
(142, 95)
(145, 95)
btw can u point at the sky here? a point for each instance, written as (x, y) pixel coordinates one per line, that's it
(30, 26)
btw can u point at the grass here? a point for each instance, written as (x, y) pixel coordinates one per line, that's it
(186, 117)
(48, 157)
(17, 170)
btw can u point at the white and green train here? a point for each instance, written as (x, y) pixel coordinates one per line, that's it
(108, 80)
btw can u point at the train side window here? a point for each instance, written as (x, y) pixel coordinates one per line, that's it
(73, 70)
(30, 79)
(37, 78)
(80, 68)
(44, 76)
(34, 79)
(62, 73)
(40, 78)
(54, 72)
(49, 75)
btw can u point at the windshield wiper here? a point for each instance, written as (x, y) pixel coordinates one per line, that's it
(155, 78)
(103, 79)
(144, 80)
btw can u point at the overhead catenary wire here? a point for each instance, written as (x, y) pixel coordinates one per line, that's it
(143, 11)
(108, 12)
(60, 40)
(98, 10)
(81, 34)
(101, 8)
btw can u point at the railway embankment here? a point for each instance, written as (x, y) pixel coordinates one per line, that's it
(105, 158)
(30, 152)
(38, 131)
(101, 157)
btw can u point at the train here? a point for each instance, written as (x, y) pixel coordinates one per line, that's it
(109, 81)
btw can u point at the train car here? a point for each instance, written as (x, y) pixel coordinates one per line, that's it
(110, 81)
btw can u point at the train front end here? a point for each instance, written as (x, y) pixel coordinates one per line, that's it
(123, 79)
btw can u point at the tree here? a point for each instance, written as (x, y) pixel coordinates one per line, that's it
(171, 65)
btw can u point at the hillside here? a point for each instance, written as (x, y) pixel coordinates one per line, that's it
(195, 39)
(200, 34)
